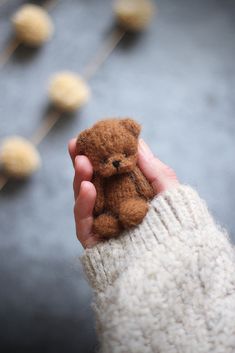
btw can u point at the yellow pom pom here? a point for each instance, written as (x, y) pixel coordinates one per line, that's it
(18, 157)
(32, 25)
(134, 15)
(68, 91)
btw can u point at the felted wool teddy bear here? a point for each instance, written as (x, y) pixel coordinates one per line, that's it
(122, 190)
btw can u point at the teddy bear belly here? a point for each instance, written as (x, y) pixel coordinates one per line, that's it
(118, 189)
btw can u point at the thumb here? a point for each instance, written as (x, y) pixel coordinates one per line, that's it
(158, 174)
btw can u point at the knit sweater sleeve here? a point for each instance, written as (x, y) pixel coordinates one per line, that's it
(168, 285)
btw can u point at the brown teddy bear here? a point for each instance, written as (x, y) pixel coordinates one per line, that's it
(122, 190)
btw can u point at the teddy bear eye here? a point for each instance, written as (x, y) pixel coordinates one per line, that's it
(104, 160)
(126, 154)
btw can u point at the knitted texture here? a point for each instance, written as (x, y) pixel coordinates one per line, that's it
(122, 189)
(168, 285)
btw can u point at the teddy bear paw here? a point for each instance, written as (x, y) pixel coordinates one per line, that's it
(106, 226)
(132, 212)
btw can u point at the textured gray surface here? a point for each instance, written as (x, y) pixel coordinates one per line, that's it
(177, 79)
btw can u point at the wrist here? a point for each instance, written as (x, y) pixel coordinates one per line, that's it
(170, 213)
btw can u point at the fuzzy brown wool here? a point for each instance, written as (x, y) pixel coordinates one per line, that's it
(122, 190)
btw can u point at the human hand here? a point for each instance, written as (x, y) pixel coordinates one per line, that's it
(158, 174)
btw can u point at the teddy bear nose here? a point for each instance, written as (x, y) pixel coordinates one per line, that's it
(116, 164)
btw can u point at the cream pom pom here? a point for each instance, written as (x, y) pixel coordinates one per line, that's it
(68, 91)
(18, 157)
(134, 15)
(32, 25)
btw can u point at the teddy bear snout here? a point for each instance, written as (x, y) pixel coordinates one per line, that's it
(116, 163)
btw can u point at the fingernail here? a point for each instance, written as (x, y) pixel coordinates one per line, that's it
(73, 139)
(144, 148)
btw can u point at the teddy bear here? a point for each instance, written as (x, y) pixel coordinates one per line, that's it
(122, 190)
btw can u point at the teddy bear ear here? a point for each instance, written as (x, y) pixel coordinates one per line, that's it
(81, 142)
(132, 126)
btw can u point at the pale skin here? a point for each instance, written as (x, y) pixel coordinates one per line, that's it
(158, 174)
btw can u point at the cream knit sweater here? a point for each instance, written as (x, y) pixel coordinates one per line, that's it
(168, 285)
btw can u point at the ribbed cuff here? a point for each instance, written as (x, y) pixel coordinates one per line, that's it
(170, 214)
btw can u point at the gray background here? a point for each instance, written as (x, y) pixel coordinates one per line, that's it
(177, 79)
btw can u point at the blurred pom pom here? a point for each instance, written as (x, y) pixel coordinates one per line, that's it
(134, 15)
(18, 157)
(68, 91)
(32, 25)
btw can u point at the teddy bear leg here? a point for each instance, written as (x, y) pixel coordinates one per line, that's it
(106, 226)
(132, 212)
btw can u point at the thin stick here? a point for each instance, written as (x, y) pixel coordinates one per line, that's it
(8, 51)
(3, 181)
(50, 4)
(103, 54)
(47, 125)
(89, 71)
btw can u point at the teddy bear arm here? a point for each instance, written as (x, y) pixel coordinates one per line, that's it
(99, 203)
(143, 187)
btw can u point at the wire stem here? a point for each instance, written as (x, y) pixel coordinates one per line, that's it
(102, 55)
(8, 51)
(92, 67)
(50, 4)
(3, 181)
(47, 125)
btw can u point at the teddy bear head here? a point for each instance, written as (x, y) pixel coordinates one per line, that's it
(111, 145)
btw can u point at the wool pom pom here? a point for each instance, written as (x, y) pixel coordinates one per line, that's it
(134, 15)
(18, 157)
(68, 91)
(32, 25)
